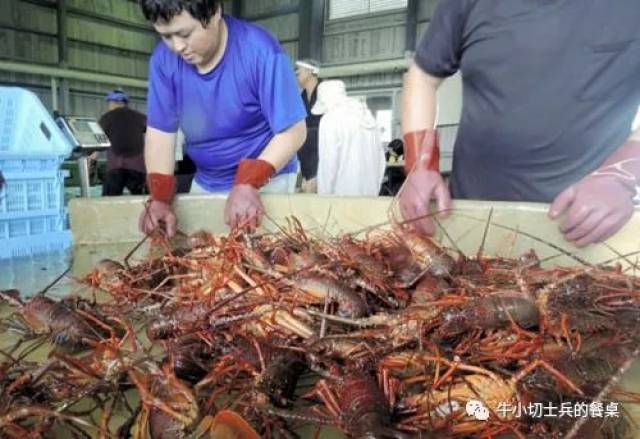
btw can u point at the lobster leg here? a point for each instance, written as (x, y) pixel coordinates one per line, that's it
(555, 372)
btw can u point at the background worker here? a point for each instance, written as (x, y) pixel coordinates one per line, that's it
(125, 128)
(394, 173)
(351, 155)
(229, 86)
(307, 73)
(547, 113)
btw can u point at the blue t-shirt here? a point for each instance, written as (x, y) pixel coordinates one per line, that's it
(233, 111)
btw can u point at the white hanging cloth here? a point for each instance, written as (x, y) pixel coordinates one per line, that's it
(350, 152)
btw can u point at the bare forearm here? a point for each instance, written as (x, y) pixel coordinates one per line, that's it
(625, 161)
(285, 145)
(159, 151)
(629, 152)
(419, 100)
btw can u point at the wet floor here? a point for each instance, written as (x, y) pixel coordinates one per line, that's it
(33, 274)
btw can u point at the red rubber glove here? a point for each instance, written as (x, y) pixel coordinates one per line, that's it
(244, 206)
(157, 213)
(601, 203)
(423, 182)
(423, 145)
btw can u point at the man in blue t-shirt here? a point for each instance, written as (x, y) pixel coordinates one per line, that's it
(230, 87)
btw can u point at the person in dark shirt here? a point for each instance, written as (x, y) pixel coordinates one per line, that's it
(125, 128)
(547, 114)
(307, 75)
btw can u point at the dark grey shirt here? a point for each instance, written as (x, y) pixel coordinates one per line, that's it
(550, 90)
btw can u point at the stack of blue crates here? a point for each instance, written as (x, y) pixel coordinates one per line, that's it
(33, 218)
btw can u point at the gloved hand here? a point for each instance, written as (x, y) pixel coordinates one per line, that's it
(596, 208)
(423, 182)
(157, 213)
(601, 203)
(244, 206)
(420, 187)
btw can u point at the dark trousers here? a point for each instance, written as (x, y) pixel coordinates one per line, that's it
(394, 178)
(117, 179)
(308, 155)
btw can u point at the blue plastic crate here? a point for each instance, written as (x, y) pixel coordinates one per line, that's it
(35, 245)
(33, 219)
(20, 163)
(31, 193)
(37, 224)
(27, 127)
(33, 233)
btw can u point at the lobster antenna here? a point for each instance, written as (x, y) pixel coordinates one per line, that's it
(625, 258)
(133, 250)
(446, 234)
(326, 221)
(54, 282)
(605, 391)
(485, 234)
(30, 349)
(387, 222)
(550, 258)
(280, 228)
(542, 241)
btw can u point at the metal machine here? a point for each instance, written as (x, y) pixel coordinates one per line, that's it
(87, 137)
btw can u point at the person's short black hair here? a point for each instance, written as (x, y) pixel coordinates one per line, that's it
(165, 10)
